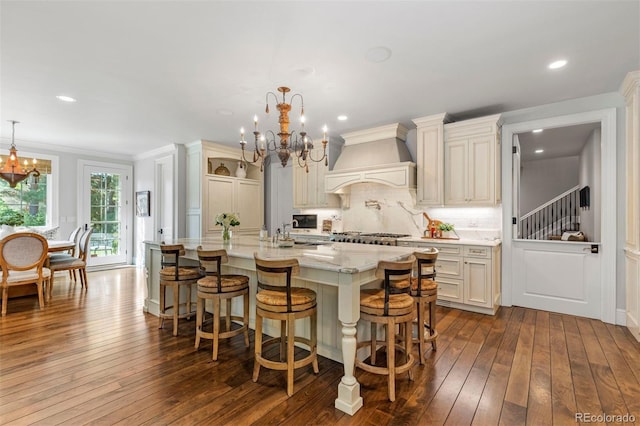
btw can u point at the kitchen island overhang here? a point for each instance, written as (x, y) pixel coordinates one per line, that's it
(336, 272)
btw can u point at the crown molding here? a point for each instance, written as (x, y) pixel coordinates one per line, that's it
(23, 145)
(167, 149)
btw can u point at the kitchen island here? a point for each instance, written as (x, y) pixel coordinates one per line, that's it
(336, 272)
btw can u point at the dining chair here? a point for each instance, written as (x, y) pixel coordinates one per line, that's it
(73, 236)
(22, 258)
(72, 263)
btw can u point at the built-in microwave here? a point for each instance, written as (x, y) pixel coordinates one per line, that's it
(305, 221)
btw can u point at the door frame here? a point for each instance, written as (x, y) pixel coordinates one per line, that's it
(127, 206)
(608, 220)
(160, 167)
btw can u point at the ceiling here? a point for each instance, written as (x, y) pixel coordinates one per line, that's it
(147, 74)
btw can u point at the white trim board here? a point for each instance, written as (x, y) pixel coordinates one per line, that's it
(607, 119)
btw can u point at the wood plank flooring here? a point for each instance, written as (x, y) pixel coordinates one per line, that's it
(93, 357)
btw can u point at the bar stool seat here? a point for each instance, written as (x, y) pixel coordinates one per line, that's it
(216, 286)
(276, 299)
(390, 306)
(174, 276)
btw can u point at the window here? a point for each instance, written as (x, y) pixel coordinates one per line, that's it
(28, 204)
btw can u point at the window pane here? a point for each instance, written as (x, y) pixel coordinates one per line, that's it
(105, 214)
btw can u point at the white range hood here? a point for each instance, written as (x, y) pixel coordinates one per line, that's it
(378, 155)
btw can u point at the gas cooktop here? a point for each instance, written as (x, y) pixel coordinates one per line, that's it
(380, 238)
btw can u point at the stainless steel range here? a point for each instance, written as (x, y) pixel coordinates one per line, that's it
(379, 238)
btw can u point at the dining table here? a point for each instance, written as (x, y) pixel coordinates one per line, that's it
(60, 245)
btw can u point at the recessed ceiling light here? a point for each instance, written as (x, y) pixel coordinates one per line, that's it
(65, 98)
(536, 131)
(342, 118)
(539, 151)
(557, 64)
(378, 54)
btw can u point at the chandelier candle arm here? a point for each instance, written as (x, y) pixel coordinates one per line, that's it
(287, 142)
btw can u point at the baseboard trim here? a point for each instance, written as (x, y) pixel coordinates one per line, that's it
(621, 317)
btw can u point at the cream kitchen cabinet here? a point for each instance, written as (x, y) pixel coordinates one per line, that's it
(309, 188)
(468, 276)
(229, 194)
(430, 159)
(472, 162)
(209, 194)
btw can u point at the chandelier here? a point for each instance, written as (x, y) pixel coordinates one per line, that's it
(12, 172)
(287, 144)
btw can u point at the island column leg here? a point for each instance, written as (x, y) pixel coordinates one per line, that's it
(349, 399)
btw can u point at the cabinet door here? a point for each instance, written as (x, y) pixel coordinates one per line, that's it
(455, 166)
(219, 200)
(429, 162)
(481, 166)
(477, 282)
(249, 204)
(300, 187)
(324, 199)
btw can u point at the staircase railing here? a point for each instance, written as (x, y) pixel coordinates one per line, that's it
(553, 217)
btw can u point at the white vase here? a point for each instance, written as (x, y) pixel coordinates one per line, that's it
(241, 170)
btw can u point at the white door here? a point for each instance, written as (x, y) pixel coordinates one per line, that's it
(576, 278)
(105, 206)
(557, 276)
(164, 198)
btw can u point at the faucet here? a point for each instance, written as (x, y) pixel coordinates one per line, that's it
(285, 235)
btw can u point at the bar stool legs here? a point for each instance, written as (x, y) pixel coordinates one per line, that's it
(175, 306)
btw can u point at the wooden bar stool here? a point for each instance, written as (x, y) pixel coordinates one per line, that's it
(424, 291)
(216, 287)
(175, 276)
(390, 306)
(276, 299)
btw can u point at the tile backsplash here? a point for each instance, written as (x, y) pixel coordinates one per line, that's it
(379, 208)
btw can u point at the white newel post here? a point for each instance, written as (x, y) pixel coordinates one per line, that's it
(349, 399)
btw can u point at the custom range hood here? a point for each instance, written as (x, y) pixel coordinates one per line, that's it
(377, 155)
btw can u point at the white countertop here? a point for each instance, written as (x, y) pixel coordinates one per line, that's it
(338, 257)
(461, 241)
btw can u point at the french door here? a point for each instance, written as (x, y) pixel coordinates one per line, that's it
(104, 205)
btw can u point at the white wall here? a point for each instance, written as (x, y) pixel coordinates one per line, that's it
(144, 180)
(543, 180)
(589, 175)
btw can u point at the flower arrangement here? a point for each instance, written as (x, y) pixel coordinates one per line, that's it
(227, 220)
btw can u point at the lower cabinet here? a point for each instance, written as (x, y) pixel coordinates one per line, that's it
(468, 276)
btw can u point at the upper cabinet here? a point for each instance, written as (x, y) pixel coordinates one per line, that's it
(309, 188)
(215, 184)
(471, 162)
(458, 163)
(430, 159)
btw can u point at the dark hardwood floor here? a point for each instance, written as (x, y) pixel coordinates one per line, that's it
(94, 357)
